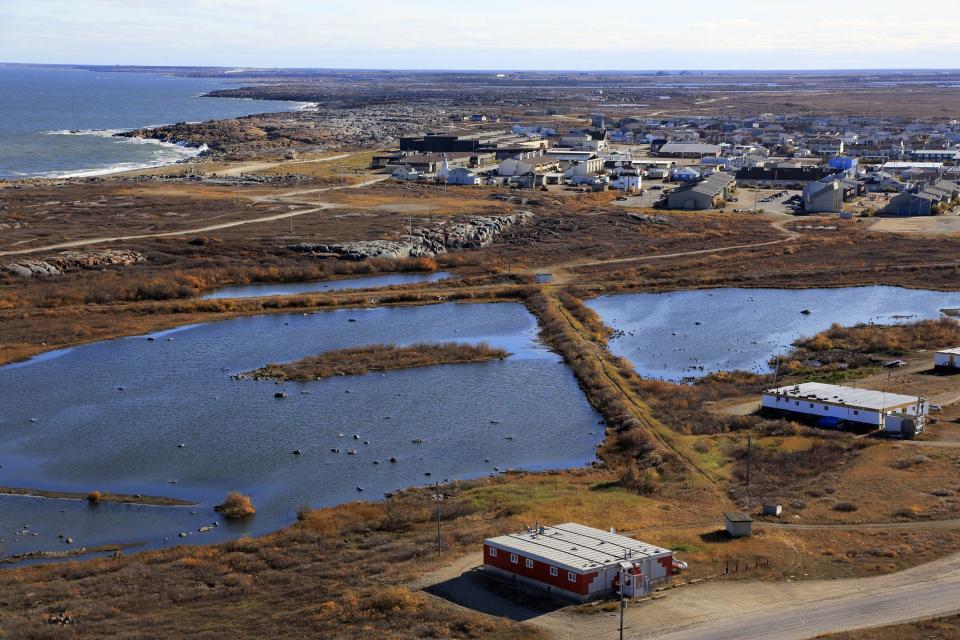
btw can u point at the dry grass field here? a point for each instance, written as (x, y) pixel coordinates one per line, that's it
(670, 463)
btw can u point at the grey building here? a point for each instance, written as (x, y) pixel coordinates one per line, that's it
(706, 194)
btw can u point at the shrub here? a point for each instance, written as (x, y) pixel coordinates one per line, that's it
(94, 497)
(846, 507)
(236, 505)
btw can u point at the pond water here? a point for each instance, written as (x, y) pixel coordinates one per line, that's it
(109, 416)
(691, 333)
(293, 288)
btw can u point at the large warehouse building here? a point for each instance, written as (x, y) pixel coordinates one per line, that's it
(578, 562)
(834, 406)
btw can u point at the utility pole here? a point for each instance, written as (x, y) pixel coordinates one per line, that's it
(623, 601)
(439, 540)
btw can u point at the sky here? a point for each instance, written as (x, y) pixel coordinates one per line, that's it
(488, 34)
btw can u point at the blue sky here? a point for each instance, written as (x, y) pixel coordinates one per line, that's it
(489, 34)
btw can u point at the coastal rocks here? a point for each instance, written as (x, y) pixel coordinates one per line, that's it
(57, 264)
(475, 232)
(32, 268)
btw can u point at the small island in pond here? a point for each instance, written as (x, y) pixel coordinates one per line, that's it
(357, 361)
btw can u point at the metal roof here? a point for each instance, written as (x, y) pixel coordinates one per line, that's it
(576, 546)
(737, 516)
(689, 147)
(868, 399)
(951, 351)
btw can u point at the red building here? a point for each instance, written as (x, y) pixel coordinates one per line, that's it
(578, 562)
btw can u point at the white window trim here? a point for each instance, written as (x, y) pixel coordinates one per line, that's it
(514, 559)
(529, 563)
(493, 552)
(554, 571)
(571, 576)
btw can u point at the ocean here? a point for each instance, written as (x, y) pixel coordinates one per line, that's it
(60, 122)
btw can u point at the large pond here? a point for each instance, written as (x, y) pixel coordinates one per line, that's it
(293, 288)
(691, 333)
(110, 416)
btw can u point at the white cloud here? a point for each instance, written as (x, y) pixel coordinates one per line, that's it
(440, 33)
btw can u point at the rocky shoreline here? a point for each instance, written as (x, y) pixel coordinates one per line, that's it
(320, 129)
(475, 232)
(69, 260)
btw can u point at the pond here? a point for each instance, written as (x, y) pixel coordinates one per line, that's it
(685, 334)
(110, 416)
(293, 288)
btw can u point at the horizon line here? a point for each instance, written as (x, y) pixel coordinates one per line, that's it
(81, 65)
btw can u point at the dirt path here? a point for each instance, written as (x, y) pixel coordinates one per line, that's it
(249, 167)
(780, 225)
(725, 609)
(167, 234)
(320, 206)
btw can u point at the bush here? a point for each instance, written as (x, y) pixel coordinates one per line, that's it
(644, 481)
(846, 507)
(236, 505)
(94, 497)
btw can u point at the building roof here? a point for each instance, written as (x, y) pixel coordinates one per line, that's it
(711, 186)
(737, 516)
(689, 147)
(912, 165)
(951, 351)
(576, 546)
(867, 399)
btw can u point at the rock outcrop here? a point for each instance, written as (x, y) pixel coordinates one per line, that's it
(57, 264)
(475, 232)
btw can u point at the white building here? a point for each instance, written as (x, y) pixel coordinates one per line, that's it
(627, 179)
(407, 173)
(835, 406)
(947, 359)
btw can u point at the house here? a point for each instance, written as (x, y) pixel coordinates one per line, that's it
(829, 405)
(578, 562)
(460, 175)
(738, 524)
(823, 197)
(407, 173)
(710, 193)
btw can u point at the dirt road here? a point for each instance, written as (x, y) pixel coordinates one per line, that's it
(320, 206)
(252, 167)
(744, 610)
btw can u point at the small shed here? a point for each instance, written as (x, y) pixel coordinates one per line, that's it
(772, 510)
(738, 524)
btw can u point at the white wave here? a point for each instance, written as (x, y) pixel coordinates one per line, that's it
(169, 153)
(306, 106)
(100, 133)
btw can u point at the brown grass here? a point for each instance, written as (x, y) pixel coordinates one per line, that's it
(358, 361)
(236, 506)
